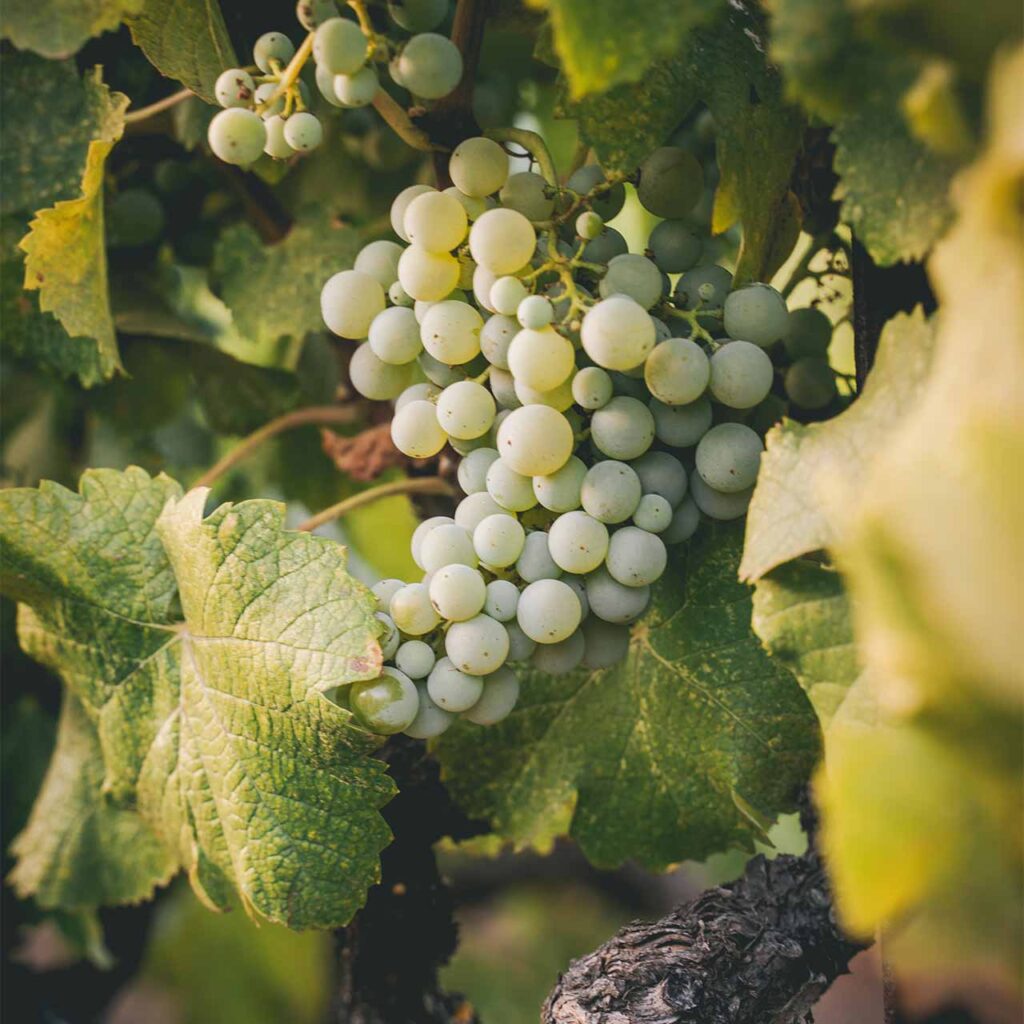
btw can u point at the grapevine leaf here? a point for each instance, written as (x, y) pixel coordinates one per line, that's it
(218, 724)
(57, 28)
(273, 291)
(758, 137)
(66, 258)
(812, 476)
(626, 122)
(186, 40)
(79, 849)
(922, 823)
(672, 754)
(604, 43)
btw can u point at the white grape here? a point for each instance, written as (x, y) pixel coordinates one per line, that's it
(387, 704)
(703, 287)
(636, 558)
(501, 692)
(401, 203)
(511, 490)
(389, 639)
(592, 388)
(502, 241)
(535, 440)
(430, 66)
(340, 46)
(357, 89)
(268, 102)
(622, 429)
(558, 398)
(671, 182)
(535, 312)
(383, 591)
(398, 295)
(451, 689)
(526, 193)
(589, 225)
(447, 545)
(681, 425)
(548, 611)
(561, 658)
(277, 145)
(420, 534)
(560, 491)
(303, 131)
(457, 592)
(499, 540)
(465, 410)
(520, 646)
(473, 206)
(674, 248)
(614, 602)
(677, 371)
(380, 260)
(503, 387)
(478, 167)
(430, 721)
(756, 313)
(604, 643)
(685, 520)
(325, 85)
(478, 646)
(416, 431)
(450, 331)
(741, 374)
(423, 391)
(728, 457)
(483, 282)
(375, 379)
(435, 222)
(535, 562)
(234, 88)
(718, 504)
(496, 338)
(610, 491)
(653, 514)
(237, 136)
(541, 359)
(412, 611)
(395, 336)
(578, 542)
(502, 599)
(272, 46)
(617, 333)
(634, 276)
(472, 471)
(415, 659)
(661, 474)
(417, 15)
(506, 294)
(349, 301)
(427, 276)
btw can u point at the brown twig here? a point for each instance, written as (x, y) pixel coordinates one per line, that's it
(143, 113)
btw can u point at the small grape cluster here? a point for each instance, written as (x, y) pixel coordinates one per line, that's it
(266, 105)
(599, 413)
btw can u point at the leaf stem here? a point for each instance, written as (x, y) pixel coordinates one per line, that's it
(409, 485)
(298, 418)
(533, 144)
(143, 113)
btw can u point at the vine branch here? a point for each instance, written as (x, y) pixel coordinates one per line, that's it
(411, 485)
(144, 113)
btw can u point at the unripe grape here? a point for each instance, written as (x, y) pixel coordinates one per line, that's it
(674, 248)
(809, 333)
(589, 225)
(606, 205)
(605, 247)
(741, 375)
(810, 383)
(703, 287)
(756, 313)
(728, 457)
(387, 704)
(525, 192)
(417, 15)
(671, 182)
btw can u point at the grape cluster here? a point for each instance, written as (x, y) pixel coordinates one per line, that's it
(599, 412)
(266, 105)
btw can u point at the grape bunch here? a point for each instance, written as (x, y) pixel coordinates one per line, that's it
(266, 105)
(599, 411)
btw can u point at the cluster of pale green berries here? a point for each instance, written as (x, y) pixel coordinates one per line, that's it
(266, 107)
(600, 409)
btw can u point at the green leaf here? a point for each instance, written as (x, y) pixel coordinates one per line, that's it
(218, 724)
(66, 258)
(57, 28)
(186, 40)
(273, 291)
(626, 122)
(758, 137)
(79, 849)
(812, 476)
(680, 751)
(603, 43)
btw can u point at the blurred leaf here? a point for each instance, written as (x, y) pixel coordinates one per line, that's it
(393, 518)
(273, 291)
(672, 754)
(28, 740)
(66, 257)
(190, 121)
(57, 28)
(186, 40)
(217, 724)
(604, 43)
(812, 476)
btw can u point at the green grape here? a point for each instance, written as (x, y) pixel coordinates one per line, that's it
(237, 136)
(499, 540)
(303, 131)
(718, 504)
(661, 474)
(447, 545)
(535, 440)
(384, 590)
(809, 333)
(501, 691)
(457, 592)
(375, 379)
(417, 15)
(234, 88)
(478, 646)
(671, 182)
(502, 598)
(357, 89)
(465, 410)
(558, 398)
(339, 46)
(430, 66)
(520, 646)
(535, 562)
(535, 312)
(325, 85)
(428, 276)
(561, 658)
(673, 247)
(503, 387)
(579, 588)
(478, 167)
(349, 302)
(741, 375)
(578, 542)
(435, 222)
(610, 491)
(681, 425)
(636, 558)
(548, 611)
(592, 388)
(617, 333)
(653, 514)
(387, 704)
(496, 338)
(728, 457)
(272, 46)
(312, 13)
(474, 509)
(395, 336)
(661, 331)
(415, 430)
(420, 534)
(511, 490)
(677, 371)
(438, 373)
(756, 313)
(560, 491)
(451, 689)
(389, 639)
(472, 471)
(703, 287)
(622, 429)
(415, 659)
(505, 295)
(604, 644)
(380, 260)
(605, 247)
(541, 359)
(608, 203)
(473, 206)
(613, 601)
(685, 520)
(450, 331)
(401, 203)
(430, 721)
(589, 225)
(399, 296)
(634, 276)
(502, 241)
(810, 383)
(526, 193)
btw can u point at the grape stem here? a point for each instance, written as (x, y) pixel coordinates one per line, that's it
(334, 414)
(400, 123)
(291, 72)
(410, 485)
(143, 113)
(533, 144)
